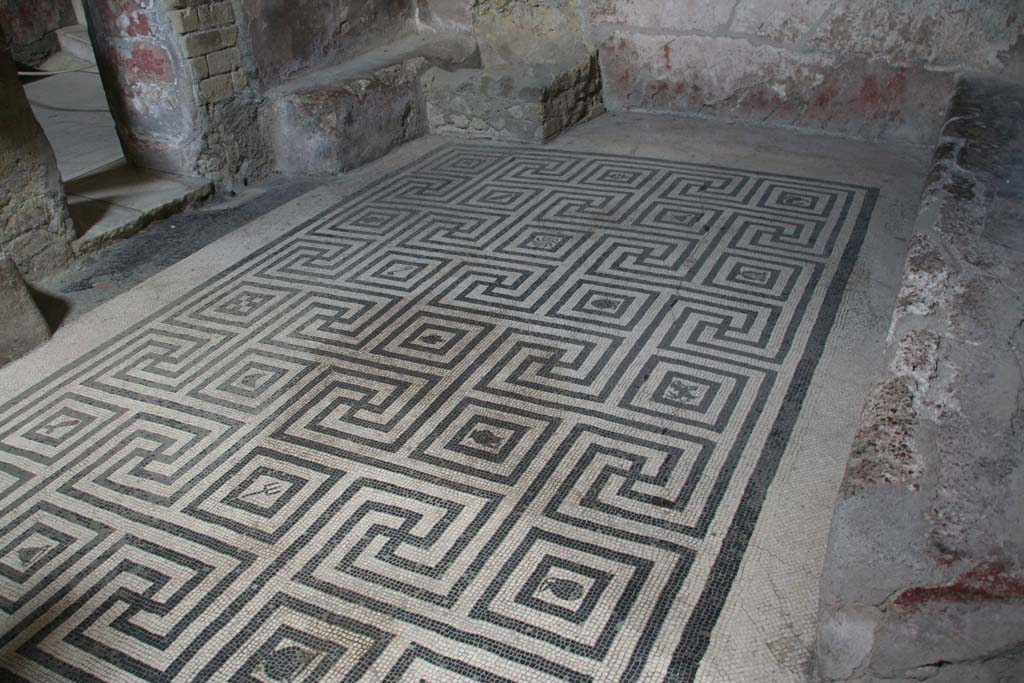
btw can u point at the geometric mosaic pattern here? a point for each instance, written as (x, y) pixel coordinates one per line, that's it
(507, 415)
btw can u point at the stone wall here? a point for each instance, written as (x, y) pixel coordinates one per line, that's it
(873, 68)
(35, 230)
(530, 31)
(448, 16)
(31, 25)
(291, 38)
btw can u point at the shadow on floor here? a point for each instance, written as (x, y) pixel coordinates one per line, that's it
(53, 308)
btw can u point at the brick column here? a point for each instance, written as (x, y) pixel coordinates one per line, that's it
(209, 40)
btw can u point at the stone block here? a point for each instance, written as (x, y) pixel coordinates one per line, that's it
(202, 43)
(525, 103)
(223, 13)
(511, 32)
(332, 127)
(184, 21)
(200, 68)
(229, 36)
(22, 326)
(340, 117)
(217, 88)
(224, 61)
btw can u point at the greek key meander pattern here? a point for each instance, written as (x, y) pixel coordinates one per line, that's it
(506, 415)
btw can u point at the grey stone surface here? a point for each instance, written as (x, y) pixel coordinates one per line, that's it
(118, 201)
(22, 326)
(449, 16)
(291, 39)
(530, 103)
(927, 549)
(513, 32)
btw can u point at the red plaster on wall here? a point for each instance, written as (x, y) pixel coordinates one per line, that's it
(986, 581)
(148, 62)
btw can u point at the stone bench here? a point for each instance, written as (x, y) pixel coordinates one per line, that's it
(527, 103)
(340, 117)
(924, 573)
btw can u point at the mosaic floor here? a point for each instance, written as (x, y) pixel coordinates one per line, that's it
(507, 415)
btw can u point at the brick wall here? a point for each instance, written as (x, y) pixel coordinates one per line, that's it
(209, 40)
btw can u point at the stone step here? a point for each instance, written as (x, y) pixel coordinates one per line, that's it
(120, 200)
(525, 103)
(344, 116)
(75, 41)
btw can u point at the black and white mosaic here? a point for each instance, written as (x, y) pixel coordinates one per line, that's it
(507, 415)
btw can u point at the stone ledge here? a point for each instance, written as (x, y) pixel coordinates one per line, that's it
(527, 103)
(924, 573)
(341, 117)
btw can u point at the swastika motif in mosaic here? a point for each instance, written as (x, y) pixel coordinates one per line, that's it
(506, 415)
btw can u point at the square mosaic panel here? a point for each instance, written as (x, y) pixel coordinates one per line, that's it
(506, 415)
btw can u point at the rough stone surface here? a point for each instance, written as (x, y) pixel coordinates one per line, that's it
(331, 128)
(512, 32)
(232, 148)
(294, 38)
(31, 27)
(22, 326)
(524, 103)
(737, 78)
(337, 118)
(449, 16)
(950, 34)
(692, 15)
(35, 230)
(880, 69)
(924, 577)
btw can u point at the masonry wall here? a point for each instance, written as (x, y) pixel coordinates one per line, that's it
(215, 41)
(35, 230)
(872, 68)
(31, 25)
(449, 16)
(291, 38)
